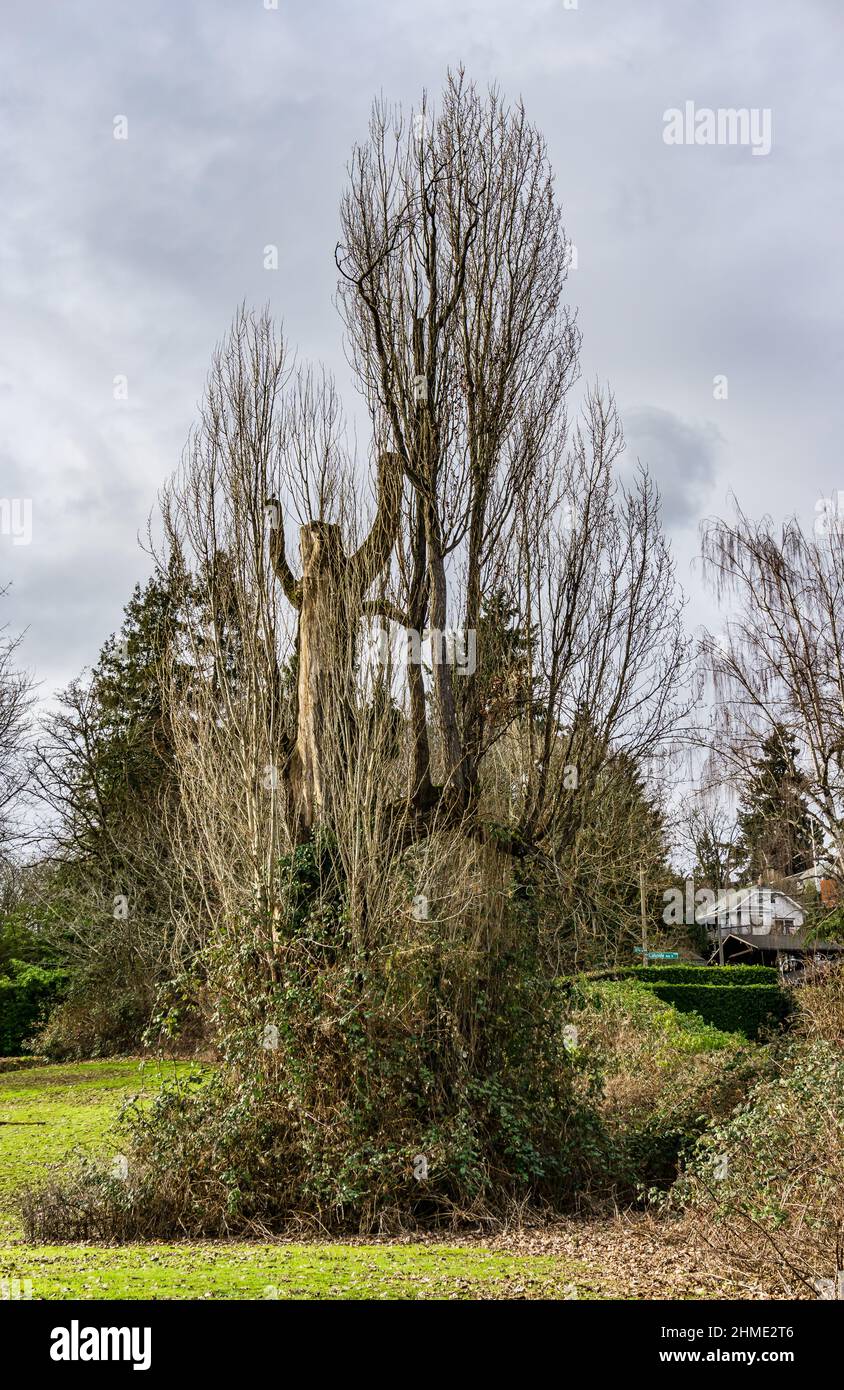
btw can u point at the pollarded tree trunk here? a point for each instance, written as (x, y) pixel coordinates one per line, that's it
(328, 619)
(330, 601)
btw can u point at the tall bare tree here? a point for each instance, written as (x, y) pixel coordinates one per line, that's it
(387, 862)
(453, 263)
(16, 697)
(778, 666)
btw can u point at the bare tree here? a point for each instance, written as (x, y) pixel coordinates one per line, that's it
(385, 861)
(778, 666)
(710, 837)
(16, 698)
(453, 261)
(452, 267)
(265, 694)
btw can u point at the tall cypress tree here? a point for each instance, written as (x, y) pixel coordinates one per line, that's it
(774, 820)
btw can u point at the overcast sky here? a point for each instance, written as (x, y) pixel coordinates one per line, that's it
(128, 257)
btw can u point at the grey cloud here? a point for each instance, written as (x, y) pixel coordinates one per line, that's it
(130, 257)
(681, 457)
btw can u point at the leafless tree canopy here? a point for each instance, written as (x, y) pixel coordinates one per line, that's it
(15, 704)
(780, 663)
(489, 512)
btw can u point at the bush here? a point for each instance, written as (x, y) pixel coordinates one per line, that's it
(89, 1204)
(820, 1006)
(81, 1027)
(747, 999)
(425, 1083)
(622, 1008)
(722, 975)
(766, 1188)
(27, 994)
(666, 1076)
(8, 1064)
(747, 1009)
(240, 1156)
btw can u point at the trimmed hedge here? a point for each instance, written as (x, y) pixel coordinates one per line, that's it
(27, 994)
(735, 998)
(721, 975)
(742, 1008)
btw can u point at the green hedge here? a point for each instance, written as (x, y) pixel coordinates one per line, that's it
(735, 998)
(721, 975)
(735, 1008)
(27, 994)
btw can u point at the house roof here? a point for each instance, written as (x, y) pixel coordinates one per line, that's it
(734, 899)
(823, 869)
(814, 873)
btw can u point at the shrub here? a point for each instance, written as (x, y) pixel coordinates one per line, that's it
(425, 1083)
(747, 1009)
(766, 1188)
(20, 1063)
(625, 1007)
(722, 975)
(666, 1076)
(27, 993)
(241, 1155)
(90, 1026)
(820, 1006)
(745, 999)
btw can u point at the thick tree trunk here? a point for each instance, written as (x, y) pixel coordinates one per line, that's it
(453, 780)
(328, 620)
(330, 600)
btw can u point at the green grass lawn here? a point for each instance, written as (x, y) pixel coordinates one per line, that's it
(52, 1112)
(281, 1271)
(72, 1108)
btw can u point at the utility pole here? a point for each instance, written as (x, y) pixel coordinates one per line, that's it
(817, 878)
(720, 928)
(723, 898)
(644, 914)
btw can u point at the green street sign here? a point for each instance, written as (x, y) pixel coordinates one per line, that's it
(657, 955)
